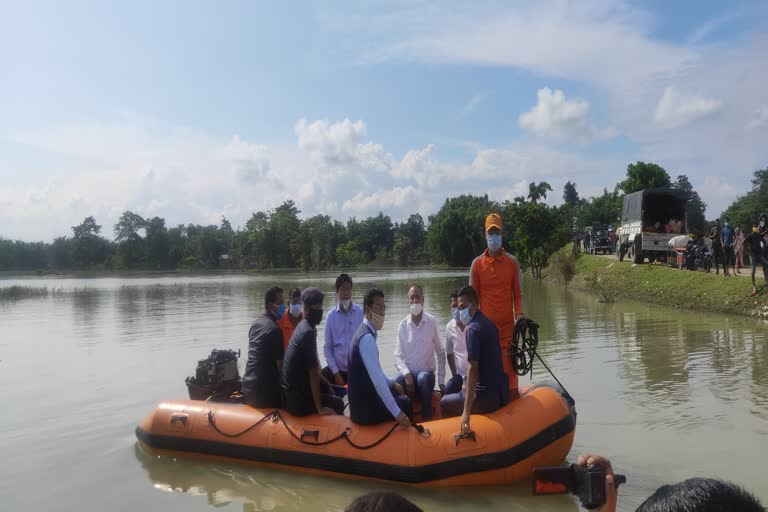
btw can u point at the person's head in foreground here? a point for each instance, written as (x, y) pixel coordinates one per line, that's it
(381, 502)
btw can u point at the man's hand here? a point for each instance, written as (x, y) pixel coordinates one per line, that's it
(519, 317)
(403, 420)
(465, 424)
(611, 496)
(326, 411)
(442, 389)
(410, 387)
(398, 389)
(337, 378)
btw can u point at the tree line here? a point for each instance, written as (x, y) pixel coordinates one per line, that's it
(279, 238)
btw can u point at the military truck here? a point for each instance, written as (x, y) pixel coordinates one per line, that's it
(639, 236)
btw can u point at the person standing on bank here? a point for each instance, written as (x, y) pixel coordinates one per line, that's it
(727, 239)
(418, 352)
(305, 391)
(487, 389)
(292, 317)
(373, 398)
(340, 327)
(456, 348)
(261, 379)
(496, 277)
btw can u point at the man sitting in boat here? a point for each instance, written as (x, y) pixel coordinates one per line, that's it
(292, 317)
(455, 348)
(418, 351)
(373, 398)
(340, 326)
(261, 380)
(305, 390)
(487, 387)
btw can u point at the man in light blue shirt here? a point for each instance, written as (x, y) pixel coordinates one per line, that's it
(340, 326)
(373, 398)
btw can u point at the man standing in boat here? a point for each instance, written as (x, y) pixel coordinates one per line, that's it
(292, 317)
(304, 389)
(496, 277)
(419, 352)
(340, 327)
(487, 386)
(373, 398)
(261, 380)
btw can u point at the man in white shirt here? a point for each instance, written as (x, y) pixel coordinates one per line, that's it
(419, 352)
(455, 348)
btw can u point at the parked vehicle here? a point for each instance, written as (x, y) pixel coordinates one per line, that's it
(643, 218)
(601, 240)
(698, 256)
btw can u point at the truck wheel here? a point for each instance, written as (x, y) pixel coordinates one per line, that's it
(638, 250)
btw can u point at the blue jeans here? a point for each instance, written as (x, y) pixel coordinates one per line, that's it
(454, 384)
(424, 383)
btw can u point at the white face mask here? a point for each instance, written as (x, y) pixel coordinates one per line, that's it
(295, 310)
(345, 304)
(416, 309)
(377, 320)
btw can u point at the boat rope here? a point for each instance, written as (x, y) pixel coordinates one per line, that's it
(275, 416)
(522, 349)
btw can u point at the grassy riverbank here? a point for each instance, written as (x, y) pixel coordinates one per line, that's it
(611, 280)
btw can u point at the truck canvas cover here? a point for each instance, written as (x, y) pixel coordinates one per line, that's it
(633, 203)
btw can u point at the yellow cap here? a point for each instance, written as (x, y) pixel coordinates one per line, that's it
(493, 220)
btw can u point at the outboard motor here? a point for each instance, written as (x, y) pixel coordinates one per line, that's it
(216, 377)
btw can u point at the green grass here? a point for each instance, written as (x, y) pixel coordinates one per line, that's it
(14, 293)
(610, 279)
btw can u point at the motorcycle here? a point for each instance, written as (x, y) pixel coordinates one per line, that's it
(698, 257)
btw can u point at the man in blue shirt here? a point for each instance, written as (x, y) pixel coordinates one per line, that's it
(487, 386)
(340, 327)
(373, 398)
(726, 238)
(305, 391)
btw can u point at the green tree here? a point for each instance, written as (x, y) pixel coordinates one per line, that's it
(746, 209)
(696, 207)
(538, 231)
(130, 248)
(538, 192)
(642, 175)
(602, 210)
(158, 243)
(284, 226)
(409, 240)
(570, 196)
(61, 253)
(89, 248)
(456, 232)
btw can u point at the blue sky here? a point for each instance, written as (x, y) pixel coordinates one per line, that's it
(193, 110)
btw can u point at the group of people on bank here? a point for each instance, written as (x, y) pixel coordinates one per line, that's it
(283, 368)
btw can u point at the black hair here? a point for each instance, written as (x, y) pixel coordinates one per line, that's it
(455, 294)
(701, 495)
(470, 293)
(381, 502)
(370, 295)
(343, 278)
(270, 296)
(418, 287)
(293, 292)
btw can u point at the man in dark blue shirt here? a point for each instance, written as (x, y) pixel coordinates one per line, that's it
(261, 380)
(487, 386)
(726, 239)
(305, 390)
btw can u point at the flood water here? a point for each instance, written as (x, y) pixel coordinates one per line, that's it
(665, 394)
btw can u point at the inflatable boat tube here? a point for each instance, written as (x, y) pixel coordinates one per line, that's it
(535, 430)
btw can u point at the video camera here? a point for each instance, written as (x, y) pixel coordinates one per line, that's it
(585, 482)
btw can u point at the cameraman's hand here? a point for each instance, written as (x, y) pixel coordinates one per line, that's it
(611, 496)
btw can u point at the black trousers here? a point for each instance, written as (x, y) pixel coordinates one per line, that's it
(328, 374)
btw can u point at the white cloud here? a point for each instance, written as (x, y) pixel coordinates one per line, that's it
(380, 200)
(332, 143)
(555, 117)
(472, 104)
(760, 118)
(675, 110)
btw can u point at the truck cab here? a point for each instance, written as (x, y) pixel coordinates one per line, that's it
(600, 240)
(645, 223)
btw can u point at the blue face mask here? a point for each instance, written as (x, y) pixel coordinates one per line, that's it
(464, 316)
(455, 314)
(280, 311)
(494, 242)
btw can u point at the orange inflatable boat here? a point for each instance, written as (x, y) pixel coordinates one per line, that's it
(535, 430)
